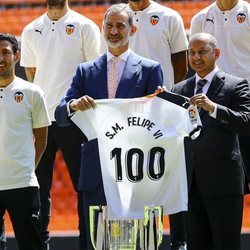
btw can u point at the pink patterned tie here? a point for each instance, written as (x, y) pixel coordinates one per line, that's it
(113, 77)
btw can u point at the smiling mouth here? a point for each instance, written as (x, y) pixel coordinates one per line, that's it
(114, 38)
(197, 63)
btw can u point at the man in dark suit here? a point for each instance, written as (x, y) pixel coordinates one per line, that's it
(215, 171)
(137, 76)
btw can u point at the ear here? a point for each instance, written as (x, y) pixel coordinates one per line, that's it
(217, 53)
(17, 56)
(133, 30)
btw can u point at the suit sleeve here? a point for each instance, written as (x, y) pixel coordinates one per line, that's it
(237, 117)
(155, 79)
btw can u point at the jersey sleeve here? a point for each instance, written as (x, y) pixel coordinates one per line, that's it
(178, 39)
(40, 115)
(84, 120)
(196, 24)
(91, 41)
(90, 121)
(27, 53)
(188, 118)
(194, 122)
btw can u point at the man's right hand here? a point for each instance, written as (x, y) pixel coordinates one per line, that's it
(82, 103)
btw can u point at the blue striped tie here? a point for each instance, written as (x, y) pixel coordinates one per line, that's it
(200, 85)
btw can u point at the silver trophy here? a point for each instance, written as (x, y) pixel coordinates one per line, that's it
(127, 234)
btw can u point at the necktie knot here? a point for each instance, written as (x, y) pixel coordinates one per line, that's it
(200, 85)
(115, 59)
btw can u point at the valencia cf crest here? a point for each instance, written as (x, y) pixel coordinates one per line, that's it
(18, 96)
(70, 29)
(154, 19)
(241, 17)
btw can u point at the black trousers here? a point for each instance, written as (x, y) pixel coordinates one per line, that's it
(69, 140)
(245, 152)
(177, 228)
(23, 206)
(2, 229)
(214, 222)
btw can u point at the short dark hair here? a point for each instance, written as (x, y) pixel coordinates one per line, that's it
(10, 38)
(119, 8)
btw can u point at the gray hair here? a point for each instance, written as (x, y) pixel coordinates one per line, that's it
(119, 8)
(205, 37)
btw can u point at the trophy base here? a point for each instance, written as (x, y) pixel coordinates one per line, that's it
(127, 234)
(122, 234)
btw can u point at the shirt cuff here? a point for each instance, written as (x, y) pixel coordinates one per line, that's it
(214, 114)
(70, 113)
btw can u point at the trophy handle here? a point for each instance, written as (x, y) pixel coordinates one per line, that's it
(93, 210)
(160, 225)
(149, 223)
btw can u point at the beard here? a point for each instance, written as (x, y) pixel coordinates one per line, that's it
(123, 41)
(59, 4)
(114, 45)
(6, 73)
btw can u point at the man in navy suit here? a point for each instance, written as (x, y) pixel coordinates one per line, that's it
(216, 176)
(138, 77)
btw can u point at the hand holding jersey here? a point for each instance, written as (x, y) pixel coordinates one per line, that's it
(202, 101)
(82, 103)
(87, 102)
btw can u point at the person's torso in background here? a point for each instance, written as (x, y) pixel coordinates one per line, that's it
(58, 47)
(232, 31)
(160, 33)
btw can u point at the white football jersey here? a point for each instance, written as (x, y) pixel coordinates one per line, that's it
(141, 151)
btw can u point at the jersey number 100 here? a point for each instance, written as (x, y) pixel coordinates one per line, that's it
(155, 157)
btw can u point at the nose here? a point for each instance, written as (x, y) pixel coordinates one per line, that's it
(114, 30)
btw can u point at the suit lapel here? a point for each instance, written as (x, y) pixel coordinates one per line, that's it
(99, 73)
(215, 86)
(131, 75)
(188, 89)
